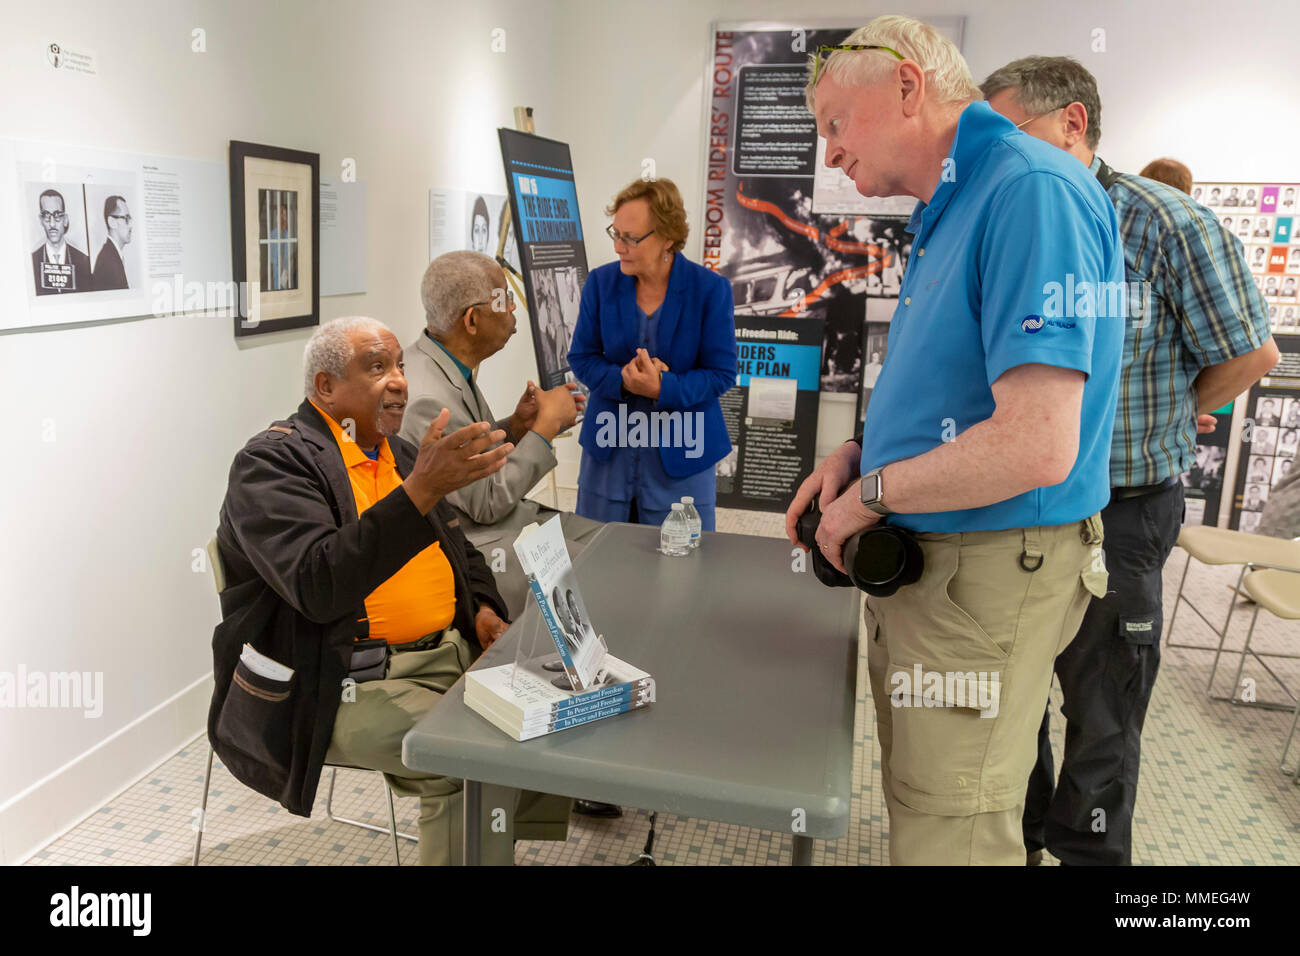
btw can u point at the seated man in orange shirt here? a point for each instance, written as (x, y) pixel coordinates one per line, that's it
(353, 600)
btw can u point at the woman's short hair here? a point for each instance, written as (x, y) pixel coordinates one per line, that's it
(666, 208)
(1170, 172)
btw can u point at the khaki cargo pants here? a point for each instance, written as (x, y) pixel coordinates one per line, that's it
(368, 733)
(961, 667)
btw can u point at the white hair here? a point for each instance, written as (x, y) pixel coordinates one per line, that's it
(946, 72)
(453, 282)
(330, 348)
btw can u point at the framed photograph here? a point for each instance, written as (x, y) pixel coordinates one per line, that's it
(274, 236)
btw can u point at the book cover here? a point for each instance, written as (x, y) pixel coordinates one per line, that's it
(545, 559)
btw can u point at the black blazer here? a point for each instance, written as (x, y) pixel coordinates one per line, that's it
(80, 269)
(299, 565)
(109, 271)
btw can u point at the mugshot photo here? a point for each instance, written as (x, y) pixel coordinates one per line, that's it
(115, 237)
(58, 244)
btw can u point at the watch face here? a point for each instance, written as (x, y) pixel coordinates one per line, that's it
(870, 489)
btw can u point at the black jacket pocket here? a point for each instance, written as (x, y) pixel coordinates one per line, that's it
(256, 717)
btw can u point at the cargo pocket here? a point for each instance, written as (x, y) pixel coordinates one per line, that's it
(255, 717)
(943, 722)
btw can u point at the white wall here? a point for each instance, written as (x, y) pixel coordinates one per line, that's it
(99, 525)
(1171, 83)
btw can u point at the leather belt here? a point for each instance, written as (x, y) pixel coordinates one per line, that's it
(1139, 491)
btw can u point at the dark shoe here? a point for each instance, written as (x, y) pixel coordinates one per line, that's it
(1034, 858)
(590, 808)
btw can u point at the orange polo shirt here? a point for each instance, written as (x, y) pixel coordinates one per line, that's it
(420, 598)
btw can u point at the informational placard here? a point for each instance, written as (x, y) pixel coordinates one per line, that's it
(796, 240)
(460, 219)
(95, 234)
(771, 413)
(1266, 434)
(342, 237)
(544, 209)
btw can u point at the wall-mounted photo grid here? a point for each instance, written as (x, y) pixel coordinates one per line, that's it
(1266, 218)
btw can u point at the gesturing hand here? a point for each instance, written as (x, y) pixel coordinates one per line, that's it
(525, 415)
(1205, 424)
(558, 409)
(448, 462)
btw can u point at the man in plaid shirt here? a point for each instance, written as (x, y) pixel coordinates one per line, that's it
(1196, 336)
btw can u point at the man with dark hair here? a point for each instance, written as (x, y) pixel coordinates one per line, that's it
(1202, 339)
(110, 273)
(57, 265)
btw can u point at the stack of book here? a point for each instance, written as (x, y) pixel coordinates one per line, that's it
(522, 700)
(536, 696)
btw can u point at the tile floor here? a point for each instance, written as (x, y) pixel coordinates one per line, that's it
(1211, 789)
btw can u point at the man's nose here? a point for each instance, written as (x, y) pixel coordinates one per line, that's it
(833, 156)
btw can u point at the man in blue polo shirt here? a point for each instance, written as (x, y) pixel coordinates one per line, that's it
(988, 433)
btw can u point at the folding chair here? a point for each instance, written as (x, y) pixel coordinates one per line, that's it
(1220, 546)
(219, 578)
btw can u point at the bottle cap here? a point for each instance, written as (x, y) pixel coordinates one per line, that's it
(687, 500)
(678, 506)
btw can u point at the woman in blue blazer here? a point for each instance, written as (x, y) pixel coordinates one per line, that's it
(656, 346)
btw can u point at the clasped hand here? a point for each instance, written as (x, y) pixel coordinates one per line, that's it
(642, 375)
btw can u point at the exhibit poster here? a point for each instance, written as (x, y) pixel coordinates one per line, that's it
(1265, 217)
(97, 235)
(544, 209)
(343, 235)
(474, 221)
(795, 239)
(771, 413)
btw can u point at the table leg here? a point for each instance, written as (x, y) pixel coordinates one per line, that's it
(802, 853)
(472, 813)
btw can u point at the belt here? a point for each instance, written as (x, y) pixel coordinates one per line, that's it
(428, 642)
(1139, 491)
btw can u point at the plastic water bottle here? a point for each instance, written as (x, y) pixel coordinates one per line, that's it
(675, 533)
(693, 519)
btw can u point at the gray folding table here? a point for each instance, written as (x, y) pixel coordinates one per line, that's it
(755, 667)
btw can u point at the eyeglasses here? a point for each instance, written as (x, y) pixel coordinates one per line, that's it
(52, 217)
(818, 59)
(126, 217)
(626, 238)
(1040, 116)
(510, 299)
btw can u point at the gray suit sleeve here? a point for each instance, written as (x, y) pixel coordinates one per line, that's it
(491, 499)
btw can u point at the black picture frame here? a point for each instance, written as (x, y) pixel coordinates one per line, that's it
(304, 306)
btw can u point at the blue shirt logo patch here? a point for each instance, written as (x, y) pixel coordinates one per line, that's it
(1032, 324)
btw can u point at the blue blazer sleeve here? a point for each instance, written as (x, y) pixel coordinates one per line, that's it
(715, 371)
(587, 353)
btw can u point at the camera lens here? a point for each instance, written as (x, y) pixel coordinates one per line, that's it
(879, 559)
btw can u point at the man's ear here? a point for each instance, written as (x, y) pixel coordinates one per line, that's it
(324, 383)
(469, 321)
(911, 83)
(1075, 119)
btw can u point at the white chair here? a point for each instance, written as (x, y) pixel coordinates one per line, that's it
(219, 578)
(1255, 553)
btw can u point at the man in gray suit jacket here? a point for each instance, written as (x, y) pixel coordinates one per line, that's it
(469, 312)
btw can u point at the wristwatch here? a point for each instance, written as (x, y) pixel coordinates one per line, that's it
(873, 489)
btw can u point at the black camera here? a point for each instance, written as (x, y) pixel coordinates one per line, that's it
(880, 560)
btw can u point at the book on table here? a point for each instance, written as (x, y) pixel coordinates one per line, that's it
(527, 699)
(521, 699)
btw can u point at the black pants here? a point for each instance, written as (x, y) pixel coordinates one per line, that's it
(1106, 674)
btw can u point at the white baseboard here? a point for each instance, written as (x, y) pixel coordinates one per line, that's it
(55, 804)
